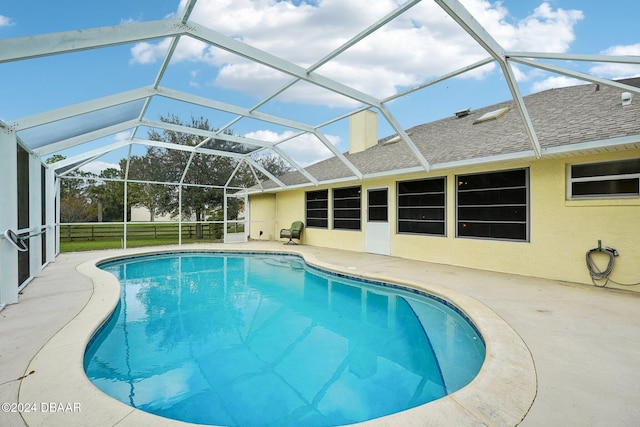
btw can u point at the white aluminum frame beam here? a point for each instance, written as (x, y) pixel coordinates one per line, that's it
(239, 48)
(35, 215)
(187, 148)
(338, 154)
(350, 43)
(71, 41)
(441, 78)
(293, 163)
(229, 108)
(24, 48)
(87, 137)
(268, 174)
(616, 59)
(79, 165)
(92, 154)
(576, 74)
(235, 171)
(405, 137)
(247, 141)
(8, 215)
(142, 181)
(21, 48)
(234, 46)
(50, 208)
(468, 23)
(206, 133)
(80, 108)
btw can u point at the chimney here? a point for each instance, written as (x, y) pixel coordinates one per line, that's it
(363, 131)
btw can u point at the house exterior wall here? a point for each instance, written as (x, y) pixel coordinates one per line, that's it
(561, 230)
(263, 213)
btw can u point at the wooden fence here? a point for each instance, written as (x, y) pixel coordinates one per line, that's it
(107, 231)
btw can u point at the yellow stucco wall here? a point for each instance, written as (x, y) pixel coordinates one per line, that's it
(561, 230)
(262, 214)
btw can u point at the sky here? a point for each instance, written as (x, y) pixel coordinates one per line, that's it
(413, 49)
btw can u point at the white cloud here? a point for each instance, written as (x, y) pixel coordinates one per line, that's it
(98, 166)
(545, 30)
(193, 78)
(5, 21)
(305, 149)
(419, 45)
(415, 47)
(619, 71)
(122, 136)
(149, 53)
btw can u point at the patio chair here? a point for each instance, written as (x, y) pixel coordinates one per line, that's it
(293, 232)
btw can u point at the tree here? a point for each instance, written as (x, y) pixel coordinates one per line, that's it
(203, 169)
(108, 196)
(96, 199)
(276, 165)
(154, 197)
(90, 198)
(75, 205)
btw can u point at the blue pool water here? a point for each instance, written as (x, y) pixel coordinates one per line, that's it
(266, 340)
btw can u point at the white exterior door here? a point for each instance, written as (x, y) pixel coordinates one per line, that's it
(377, 225)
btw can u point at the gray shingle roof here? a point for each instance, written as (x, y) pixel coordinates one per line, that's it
(560, 117)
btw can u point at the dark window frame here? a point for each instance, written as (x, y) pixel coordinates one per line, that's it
(425, 198)
(613, 179)
(494, 205)
(317, 209)
(347, 208)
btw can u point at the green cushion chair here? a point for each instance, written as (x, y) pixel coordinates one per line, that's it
(292, 233)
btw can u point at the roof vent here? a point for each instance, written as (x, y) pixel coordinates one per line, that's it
(626, 98)
(395, 139)
(492, 115)
(463, 113)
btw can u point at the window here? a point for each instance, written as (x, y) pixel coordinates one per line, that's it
(317, 203)
(494, 205)
(377, 208)
(346, 208)
(605, 180)
(421, 206)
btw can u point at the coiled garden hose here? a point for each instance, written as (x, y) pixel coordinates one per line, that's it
(598, 275)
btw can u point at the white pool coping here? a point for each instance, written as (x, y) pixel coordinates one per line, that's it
(500, 395)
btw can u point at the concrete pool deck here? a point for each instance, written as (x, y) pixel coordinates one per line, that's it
(580, 365)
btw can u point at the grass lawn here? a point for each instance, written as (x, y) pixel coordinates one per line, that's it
(90, 237)
(94, 245)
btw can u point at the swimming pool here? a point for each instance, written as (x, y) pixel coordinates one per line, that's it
(233, 339)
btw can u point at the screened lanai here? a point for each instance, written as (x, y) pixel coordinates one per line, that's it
(104, 88)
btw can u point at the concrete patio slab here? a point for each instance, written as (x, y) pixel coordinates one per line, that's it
(584, 342)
